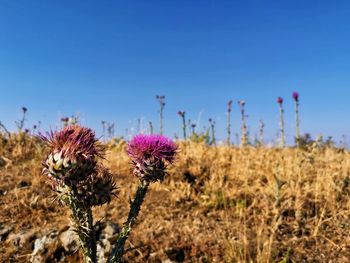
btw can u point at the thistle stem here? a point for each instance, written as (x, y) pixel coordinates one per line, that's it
(135, 207)
(83, 223)
(283, 137)
(161, 120)
(229, 127)
(213, 140)
(244, 139)
(150, 127)
(297, 120)
(184, 126)
(261, 133)
(5, 129)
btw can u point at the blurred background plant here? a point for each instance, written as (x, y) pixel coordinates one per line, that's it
(229, 109)
(182, 115)
(244, 129)
(161, 100)
(295, 96)
(282, 133)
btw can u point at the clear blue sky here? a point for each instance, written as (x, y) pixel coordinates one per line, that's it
(108, 59)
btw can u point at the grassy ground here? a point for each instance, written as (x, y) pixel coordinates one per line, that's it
(218, 204)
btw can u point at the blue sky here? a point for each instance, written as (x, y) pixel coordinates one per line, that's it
(108, 59)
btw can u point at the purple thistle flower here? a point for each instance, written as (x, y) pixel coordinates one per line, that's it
(157, 146)
(279, 100)
(150, 154)
(295, 96)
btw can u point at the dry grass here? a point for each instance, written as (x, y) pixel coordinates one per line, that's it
(218, 204)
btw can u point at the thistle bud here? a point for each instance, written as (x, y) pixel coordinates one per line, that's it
(241, 103)
(73, 154)
(98, 188)
(229, 106)
(295, 96)
(280, 100)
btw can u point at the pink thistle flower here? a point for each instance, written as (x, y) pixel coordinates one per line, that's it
(295, 96)
(280, 100)
(150, 154)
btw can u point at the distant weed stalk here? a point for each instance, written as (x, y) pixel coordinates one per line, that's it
(228, 128)
(295, 96)
(282, 132)
(212, 129)
(20, 123)
(244, 130)
(261, 132)
(183, 117)
(161, 109)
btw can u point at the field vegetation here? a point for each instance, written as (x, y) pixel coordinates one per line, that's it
(217, 204)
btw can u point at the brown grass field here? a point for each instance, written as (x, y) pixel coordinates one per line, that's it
(218, 204)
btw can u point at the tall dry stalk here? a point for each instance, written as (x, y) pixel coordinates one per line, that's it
(150, 124)
(183, 117)
(261, 132)
(212, 129)
(228, 128)
(244, 131)
(282, 133)
(295, 96)
(161, 109)
(20, 123)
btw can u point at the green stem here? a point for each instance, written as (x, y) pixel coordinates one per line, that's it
(83, 223)
(135, 207)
